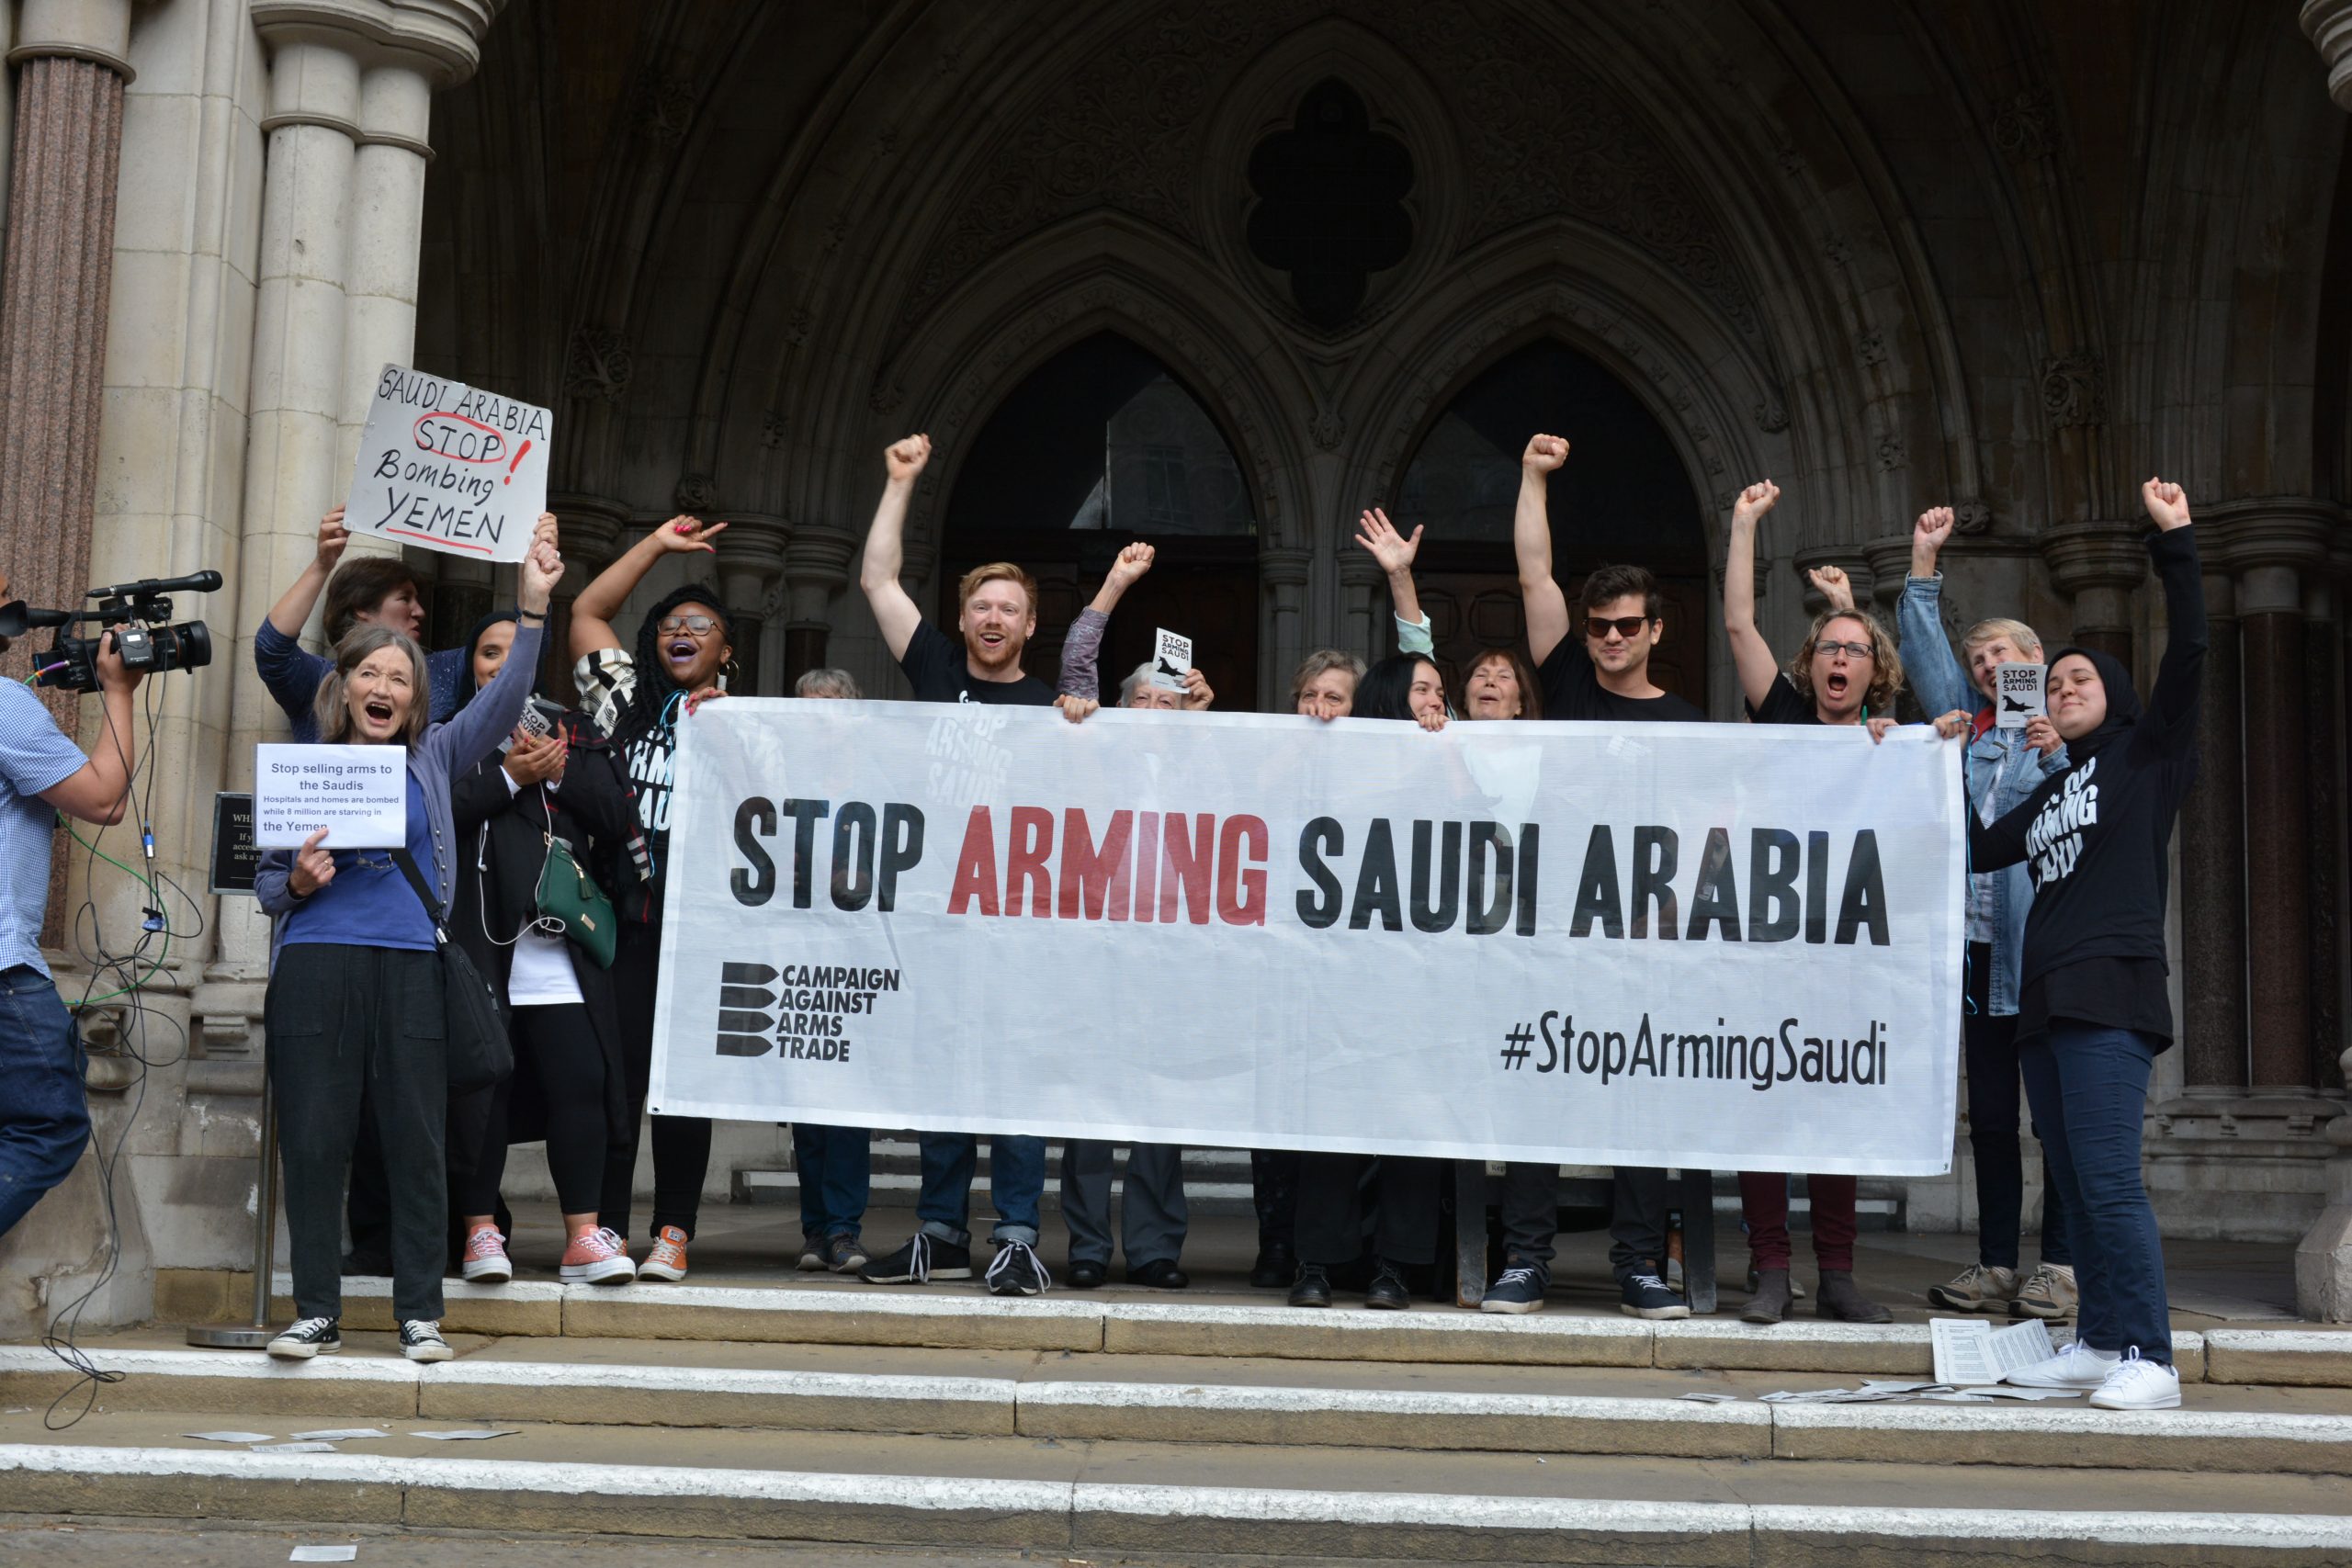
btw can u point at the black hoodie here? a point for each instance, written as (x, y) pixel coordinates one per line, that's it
(2097, 835)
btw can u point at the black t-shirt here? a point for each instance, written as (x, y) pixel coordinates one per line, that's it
(1783, 704)
(2097, 836)
(940, 673)
(1572, 689)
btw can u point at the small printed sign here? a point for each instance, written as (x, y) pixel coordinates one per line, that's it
(236, 856)
(2018, 695)
(358, 793)
(1171, 660)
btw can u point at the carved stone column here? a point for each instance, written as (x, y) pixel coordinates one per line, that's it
(2324, 772)
(588, 531)
(59, 268)
(2212, 863)
(816, 566)
(751, 559)
(1886, 565)
(1281, 580)
(2097, 565)
(1814, 558)
(1361, 594)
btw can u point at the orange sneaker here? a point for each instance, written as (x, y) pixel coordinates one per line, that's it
(599, 1258)
(668, 1259)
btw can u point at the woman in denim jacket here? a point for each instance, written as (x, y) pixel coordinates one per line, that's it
(2002, 770)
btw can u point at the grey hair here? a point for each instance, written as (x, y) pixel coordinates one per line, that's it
(1322, 659)
(826, 683)
(1136, 677)
(331, 711)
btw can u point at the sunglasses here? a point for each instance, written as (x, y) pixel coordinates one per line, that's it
(696, 625)
(1850, 649)
(1626, 627)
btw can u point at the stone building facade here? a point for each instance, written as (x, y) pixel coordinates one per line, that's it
(1220, 273)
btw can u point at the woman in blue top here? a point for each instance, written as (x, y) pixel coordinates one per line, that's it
(354, 1009)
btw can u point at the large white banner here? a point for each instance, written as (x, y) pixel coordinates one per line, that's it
(1710, 946)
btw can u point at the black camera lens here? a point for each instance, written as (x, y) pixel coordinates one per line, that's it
(187, 646)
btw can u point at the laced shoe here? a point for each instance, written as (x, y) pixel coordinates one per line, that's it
(1517, 1288)
(1016, 1270)
(668, 1259)
(2048, 1293)
(1312, 1288)
(421, 1341)
(812, 1255)
(2136, 1384)
(1387, 1291)
(307, 1338)
(596, 1257)
(844, 1253)
(2077, 1366)
(1645, 1295)
(925, 1258)
(1978, 1288)
(486, 1262)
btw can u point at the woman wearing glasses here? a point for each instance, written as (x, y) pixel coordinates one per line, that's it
(639, 697)
(1845, 672)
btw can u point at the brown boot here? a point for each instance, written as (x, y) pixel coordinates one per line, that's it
(1771, 1302)
(1842, 1299)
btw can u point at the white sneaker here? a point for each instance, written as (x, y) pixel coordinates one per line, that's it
(2077, 1366)
(2135, 1384)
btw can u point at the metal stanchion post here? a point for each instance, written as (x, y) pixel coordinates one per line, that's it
(253, 1336)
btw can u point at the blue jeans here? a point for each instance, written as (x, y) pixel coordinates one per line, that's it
(1017, 1177)
(2088, 1086)
(836, 1169)
(44, 1115)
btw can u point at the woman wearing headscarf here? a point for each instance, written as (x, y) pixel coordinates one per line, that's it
(552, 782)
(2094, 1012)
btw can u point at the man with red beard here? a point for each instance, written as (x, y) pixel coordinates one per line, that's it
(997, 615)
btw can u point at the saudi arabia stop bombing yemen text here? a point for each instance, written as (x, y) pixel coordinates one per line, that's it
(1377, 873)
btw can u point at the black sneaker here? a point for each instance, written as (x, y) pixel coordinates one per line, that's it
(1016, 1270)
(1312, 1288)
(1645, 1295)
(842, 1253)
(309, 1336)
(421, 1341)
(923, 1259)
(1521, 1289)
(1387, 1292)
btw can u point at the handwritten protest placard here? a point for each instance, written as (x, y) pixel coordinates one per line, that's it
(358, 793)
(447, 466)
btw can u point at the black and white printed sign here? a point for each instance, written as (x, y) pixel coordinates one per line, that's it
(1171, 660)
(2018, 695)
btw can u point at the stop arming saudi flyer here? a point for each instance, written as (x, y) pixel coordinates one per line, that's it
(1728, 946)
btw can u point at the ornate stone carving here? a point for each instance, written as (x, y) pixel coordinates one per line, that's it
(1772, 415)
(1870, 348)
(2025, 126)
(1972, 517)
(695, 493)
(2073, 390)
(1329, 427)
(665, 108)
(772, 430)
(597, 364)
(1892, 454)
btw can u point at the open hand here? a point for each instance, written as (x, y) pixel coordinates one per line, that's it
(535, 758)
(1393, 551)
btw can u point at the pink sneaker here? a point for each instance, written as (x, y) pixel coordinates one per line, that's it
(486, 1260)
(668, 1259)
(597, 1257)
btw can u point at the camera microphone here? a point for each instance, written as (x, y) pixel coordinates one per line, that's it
(147, 587)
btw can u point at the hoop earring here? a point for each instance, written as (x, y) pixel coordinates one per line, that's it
(729, 671)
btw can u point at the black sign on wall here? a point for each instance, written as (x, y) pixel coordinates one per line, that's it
(234, 858)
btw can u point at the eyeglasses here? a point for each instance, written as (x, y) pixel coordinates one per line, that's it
(696, 625)
(1627, 626)
(1850, 649)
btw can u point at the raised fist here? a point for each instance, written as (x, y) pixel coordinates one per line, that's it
(1544, 454)
(905, 457)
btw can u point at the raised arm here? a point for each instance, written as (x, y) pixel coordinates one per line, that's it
(1395, 552)
(2173, 551)
(592, 611)
(1082, 644)
(1832, 583)
(481, 724)
(1928, 658)
(1750, 654)
(1530, 537)
(294, 606)
(886, 546)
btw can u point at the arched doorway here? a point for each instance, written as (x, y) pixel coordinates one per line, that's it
(1096, 447)
(1624, 496)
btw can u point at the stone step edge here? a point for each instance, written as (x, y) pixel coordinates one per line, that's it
(527, 1496)
(2063, 1436)
(2259, 1356)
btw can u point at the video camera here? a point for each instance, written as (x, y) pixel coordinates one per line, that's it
(141, 617)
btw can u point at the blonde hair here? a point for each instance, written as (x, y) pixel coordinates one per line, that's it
(1983, 632)
(1886, 664)
(995, 571)
(1321, 661)
(332, 706)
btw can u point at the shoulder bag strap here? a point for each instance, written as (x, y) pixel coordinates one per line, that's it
(416, 882)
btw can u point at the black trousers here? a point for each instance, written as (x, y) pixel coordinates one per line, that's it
(1331, 1208)
(353, 1028)
(556, 1045)
(1273, 1190)
(681, 1143)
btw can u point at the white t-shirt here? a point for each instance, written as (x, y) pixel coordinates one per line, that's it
(542, 974)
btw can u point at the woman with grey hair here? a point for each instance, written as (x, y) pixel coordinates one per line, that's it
(838, 683)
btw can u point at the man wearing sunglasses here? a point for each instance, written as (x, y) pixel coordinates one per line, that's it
(1593, 664)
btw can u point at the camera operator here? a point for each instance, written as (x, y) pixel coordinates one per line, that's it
(44, 1118)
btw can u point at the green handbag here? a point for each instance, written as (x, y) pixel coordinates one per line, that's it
(568, 895)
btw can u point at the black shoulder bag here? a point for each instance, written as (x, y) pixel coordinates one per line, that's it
(475, 1035)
